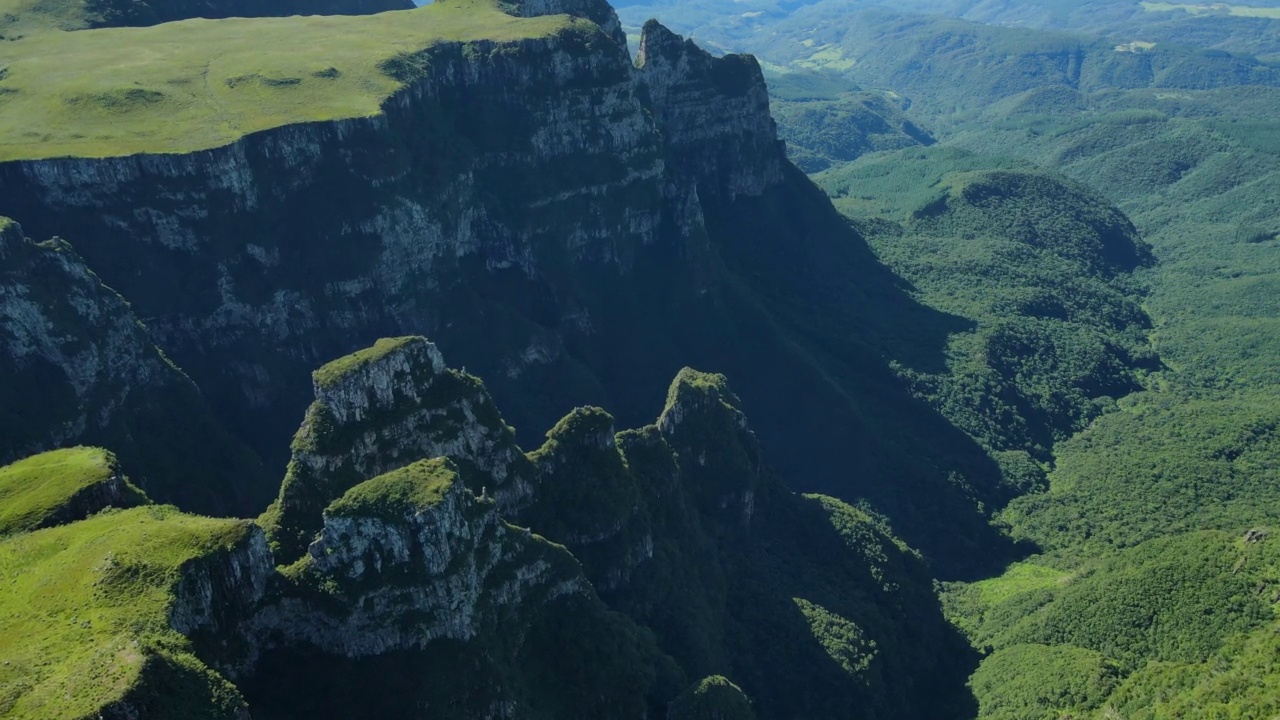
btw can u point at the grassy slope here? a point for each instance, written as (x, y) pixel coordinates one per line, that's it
(399, 492)
(33, 489)
(84, 612)
(200, 84)
(19, 18)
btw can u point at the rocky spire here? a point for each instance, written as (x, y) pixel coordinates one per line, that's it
(714, 113)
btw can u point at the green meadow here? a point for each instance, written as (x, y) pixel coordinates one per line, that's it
(85, 613)
(200, 84)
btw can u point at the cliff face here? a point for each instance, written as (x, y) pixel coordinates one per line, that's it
(501, 170)
(733, 151)
(78, 368)
(412, 596)
(568, 225)
(413, 570)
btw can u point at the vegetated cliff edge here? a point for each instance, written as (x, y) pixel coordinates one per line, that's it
(572, 226)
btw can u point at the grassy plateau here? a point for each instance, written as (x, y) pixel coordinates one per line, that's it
(199, 84)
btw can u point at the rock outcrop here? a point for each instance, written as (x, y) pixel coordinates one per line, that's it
(719, 454)
(590, 498)
(381, 409)
(416, 557)
(733, 151)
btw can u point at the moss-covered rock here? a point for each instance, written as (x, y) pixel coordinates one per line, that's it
(719, 454)
(712, 698)
(588, 498)
(412, 568)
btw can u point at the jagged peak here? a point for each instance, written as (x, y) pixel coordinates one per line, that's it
(589, 499)
(734, 74)
(353, 385)
(380, 409)
(583, 428)
(719, 454)
(712, 697)
(693, 391)
(713, 112)
(660, 44)
(584, 488)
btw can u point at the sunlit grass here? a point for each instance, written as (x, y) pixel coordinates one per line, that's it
(199, 84)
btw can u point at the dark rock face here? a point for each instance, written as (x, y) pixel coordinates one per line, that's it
(79, 368)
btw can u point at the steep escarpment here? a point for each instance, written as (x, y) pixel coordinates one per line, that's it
(463, 188)
(679, 526)
(78, 368)
(569, 226)
(684, 557)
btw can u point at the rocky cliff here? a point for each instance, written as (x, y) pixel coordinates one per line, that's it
(79, 367)
(384, 408)
(499, 169)
(569, 225)
(679, 526)
(413, 596)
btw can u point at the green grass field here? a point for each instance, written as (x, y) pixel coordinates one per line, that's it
(329, 374)
(84, 610)
(200, 84)
(33, 489)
